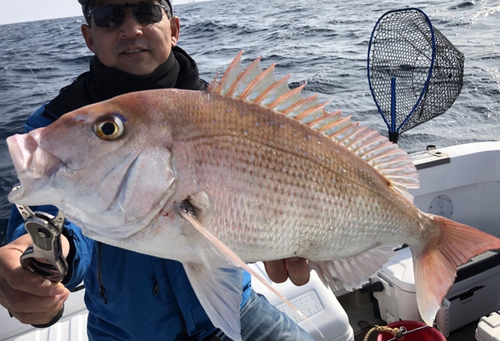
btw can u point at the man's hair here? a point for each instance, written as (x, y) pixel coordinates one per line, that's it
(87, 5)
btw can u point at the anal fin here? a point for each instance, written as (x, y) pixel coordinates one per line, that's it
(351, 273)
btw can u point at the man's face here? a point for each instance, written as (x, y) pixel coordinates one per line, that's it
(132, 47)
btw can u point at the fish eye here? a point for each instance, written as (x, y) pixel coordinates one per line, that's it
(109, 128)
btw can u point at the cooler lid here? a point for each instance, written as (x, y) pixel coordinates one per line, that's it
(399, 271)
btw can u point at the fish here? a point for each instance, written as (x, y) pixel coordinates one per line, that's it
(247, 171)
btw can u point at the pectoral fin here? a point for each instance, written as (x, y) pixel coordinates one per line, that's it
(219, 292)
(217, 288)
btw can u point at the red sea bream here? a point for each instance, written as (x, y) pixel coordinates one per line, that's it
(247, 171)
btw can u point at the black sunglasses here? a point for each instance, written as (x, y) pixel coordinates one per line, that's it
(114, 15)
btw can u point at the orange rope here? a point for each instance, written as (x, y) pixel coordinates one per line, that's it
(385, 329)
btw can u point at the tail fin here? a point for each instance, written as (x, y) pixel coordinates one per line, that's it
(436, 265)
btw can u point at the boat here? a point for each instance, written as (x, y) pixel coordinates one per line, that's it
(460, 182)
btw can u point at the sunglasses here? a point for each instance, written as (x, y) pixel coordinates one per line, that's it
(114, 15)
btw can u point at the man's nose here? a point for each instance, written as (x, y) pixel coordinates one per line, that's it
(130, 27)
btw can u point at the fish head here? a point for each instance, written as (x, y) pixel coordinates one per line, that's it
(107, 166)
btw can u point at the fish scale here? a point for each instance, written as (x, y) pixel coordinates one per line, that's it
(317, 185)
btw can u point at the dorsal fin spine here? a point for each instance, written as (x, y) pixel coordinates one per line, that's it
(310, 113)
(214, 84)
(326, 117)
(388, 158)
(235, 65)
(270, 89)
(357, 136)
(356, 130)
(381, 158)
(285, 96)
(365, 140)
(241, 76)
(345, 133)
(323, 124)
(379, 149)
(391, 162)
(342, 125)
(259, 80)
(328, 124)
(297, 104)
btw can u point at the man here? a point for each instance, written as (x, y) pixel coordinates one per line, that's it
(130, 296)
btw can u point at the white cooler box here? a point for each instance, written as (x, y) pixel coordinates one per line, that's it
(488, 328)
(476, 291)
(315, 301)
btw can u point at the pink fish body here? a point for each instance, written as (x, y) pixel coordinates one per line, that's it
(248, 171)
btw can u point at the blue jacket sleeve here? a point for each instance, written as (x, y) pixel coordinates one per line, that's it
(81, 248)
(37, 120)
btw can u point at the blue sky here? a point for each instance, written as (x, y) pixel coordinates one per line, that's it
(30, 10)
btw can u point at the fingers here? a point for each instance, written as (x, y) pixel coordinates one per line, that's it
(29, 297)
(28, 282)
(295, 268)
(20, 244)
(38, 318)
(298, 270)
(12, 275)
(31, 309)
(276, 270)
(65, 246)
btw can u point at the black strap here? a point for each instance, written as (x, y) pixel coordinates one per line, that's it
(102, 289)
(52, 322)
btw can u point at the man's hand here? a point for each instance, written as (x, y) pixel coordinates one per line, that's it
(29, 297)
(297, 269)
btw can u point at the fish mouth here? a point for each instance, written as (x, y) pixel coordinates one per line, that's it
(33, 165)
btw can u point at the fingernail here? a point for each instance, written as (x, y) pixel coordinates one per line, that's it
(46, 283)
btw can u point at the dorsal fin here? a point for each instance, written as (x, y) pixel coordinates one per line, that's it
(256, 86)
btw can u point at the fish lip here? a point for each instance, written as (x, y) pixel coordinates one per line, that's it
(19, 156)
(33, 164)
(16, 194)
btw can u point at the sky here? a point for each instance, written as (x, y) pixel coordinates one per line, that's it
(30, 10)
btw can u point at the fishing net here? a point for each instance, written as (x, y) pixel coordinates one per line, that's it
(414, 72)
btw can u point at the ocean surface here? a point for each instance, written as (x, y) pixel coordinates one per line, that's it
(321, 43)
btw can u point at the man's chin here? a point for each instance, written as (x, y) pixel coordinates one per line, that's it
(136, 65)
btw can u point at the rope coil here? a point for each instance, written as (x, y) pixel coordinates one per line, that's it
(398, 333)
